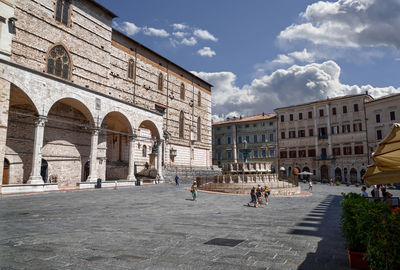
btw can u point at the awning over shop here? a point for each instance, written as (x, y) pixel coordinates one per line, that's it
(386, 167)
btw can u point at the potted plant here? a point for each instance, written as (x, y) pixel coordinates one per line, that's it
(350, 219)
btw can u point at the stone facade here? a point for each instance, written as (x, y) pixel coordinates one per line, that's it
(260, 133)
(382, 113)
(74, 108)
(326, 137)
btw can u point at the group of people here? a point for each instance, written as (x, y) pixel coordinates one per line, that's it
(257, 194)
(377, 191)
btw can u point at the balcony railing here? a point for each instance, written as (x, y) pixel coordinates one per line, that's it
(325, 157)
(323, 137)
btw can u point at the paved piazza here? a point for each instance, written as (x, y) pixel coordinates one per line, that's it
(159, 227)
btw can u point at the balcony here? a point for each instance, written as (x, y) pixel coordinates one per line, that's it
(323, 137)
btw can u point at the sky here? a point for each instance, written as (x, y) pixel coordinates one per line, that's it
(263, 54)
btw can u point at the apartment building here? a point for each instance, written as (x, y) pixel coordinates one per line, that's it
(327, 138)
(259, 131)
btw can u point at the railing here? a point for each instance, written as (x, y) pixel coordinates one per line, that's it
(322, 137)
(325, 158)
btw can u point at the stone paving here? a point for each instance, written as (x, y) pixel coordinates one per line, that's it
(159, 227)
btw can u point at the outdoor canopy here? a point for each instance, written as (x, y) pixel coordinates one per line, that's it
(386, 167)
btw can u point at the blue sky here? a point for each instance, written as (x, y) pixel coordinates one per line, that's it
(262, 54)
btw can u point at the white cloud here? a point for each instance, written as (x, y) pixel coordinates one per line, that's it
(204, 34)
(179, 26)
(180, 34)
(128, 28)
(283, 87)
(348, 23)
(189, 42)
(150, 31)
(206, 51)
(303, 56)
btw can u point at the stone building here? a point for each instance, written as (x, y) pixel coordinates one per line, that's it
(327, 138)
(81, 101)
(382, 113)
(259, 131)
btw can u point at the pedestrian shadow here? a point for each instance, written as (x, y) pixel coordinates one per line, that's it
(324, 222)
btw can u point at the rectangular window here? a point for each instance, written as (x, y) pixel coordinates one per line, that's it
(323, 153)
(333, 111)
(310, 115)
(271, 137)
(311, 132)
(272, 153)
(248, 139)
(302, 153)
(336, 151)
(379, 134)
(292, 154)
(292, 134)
(283, 154)
(229, 155)
(392, 116)
(302, 133)
(240, 155)
(282, 118)
(264, 153)
(358, 150)
(321, 112)
(378, 118)
(219, 141)
(300, 116)
(219, 155)
(239, 139)
(283, 136)
(344, 109)
(335, 130)
(347, 150)
(357, 127)
(355, 107)
(345, 128)
(263, 138)
(63, 11)
(291, 117)
(271, 123)
(255, 153)
(323, 133)
(228, 127)
(311, 152)
(255, 138)
(229, 140)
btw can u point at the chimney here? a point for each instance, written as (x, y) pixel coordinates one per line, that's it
(263, 113)
(366, 92)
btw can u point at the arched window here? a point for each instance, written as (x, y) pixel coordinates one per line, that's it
(144, 151)
(182, 91)
(198, 129)
(63, 11)
(58, 62)
(199, 99)
(131, 69)
(181, 125)
(160, 81)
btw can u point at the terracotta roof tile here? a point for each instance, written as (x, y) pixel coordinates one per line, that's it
(247, 119)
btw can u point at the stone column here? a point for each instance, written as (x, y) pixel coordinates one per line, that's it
(4, 105)
(159, 156)
(35, 177)
(131, 173)
(93, 156)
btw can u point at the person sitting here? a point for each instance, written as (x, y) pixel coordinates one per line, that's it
(363, 192)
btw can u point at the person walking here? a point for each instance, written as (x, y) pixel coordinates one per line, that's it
(310, 185)
(253, 197)
(259, 196)
(176, 180)
(193, 189)
(267, 192)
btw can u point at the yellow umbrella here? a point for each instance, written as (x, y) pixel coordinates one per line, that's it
(386, 167)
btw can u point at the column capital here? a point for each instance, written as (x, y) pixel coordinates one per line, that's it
(41, 120)
(95, 130)
(132, 137)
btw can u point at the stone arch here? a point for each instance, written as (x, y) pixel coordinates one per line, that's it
(115, 131)
(149, 137)
(67, 139)
(353, 175)
(338, 174)
(74, 101)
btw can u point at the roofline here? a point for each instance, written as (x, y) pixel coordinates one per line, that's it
(243, 120)
(113, 15)
(384, 97)
(159, 55)
(324, 100)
